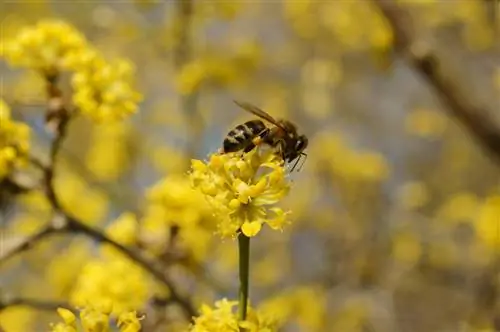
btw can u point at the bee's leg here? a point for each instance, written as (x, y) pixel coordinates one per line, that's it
(259, 139)
(249, 148)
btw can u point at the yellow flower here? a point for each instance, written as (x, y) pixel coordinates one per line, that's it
(112, 279)
(128, 322)
(14, 141)
(223, 318)
(242, 190)
(172, 202)
(44, 46)
(96, 319)
(69, 324)
(104, 90)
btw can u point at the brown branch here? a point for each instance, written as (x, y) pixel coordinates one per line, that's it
(134, 255)
(25, 244)
(477, 119)
(62, 222)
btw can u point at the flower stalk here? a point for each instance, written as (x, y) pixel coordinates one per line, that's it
(244, 267)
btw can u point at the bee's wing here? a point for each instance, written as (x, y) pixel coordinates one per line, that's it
(257, 111)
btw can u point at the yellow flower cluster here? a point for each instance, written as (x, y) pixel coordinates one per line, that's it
(113, 278)
(45, 46)
(337, 157)
(14, 141)
(173, 202)
(93, 320)
(219, 70)
(242, 189)
(306, 305)
(223, 318)
(103, 89)
(310, 18)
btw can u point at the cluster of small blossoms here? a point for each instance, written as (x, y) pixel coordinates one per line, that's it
(14, 141)
(172, 202)
(103, 90)
(92, 319)
(243, 189)
(112, 277)
(223, 318)
(45, 46)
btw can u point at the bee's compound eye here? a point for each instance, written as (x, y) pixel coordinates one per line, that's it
(301, 144)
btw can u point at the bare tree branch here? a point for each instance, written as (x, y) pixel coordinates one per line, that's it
(476, 118)
(24, 244)
(58, 119)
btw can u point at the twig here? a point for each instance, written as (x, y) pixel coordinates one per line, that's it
(478, 120)
(58, 118)
(25, 244)
(150, 266)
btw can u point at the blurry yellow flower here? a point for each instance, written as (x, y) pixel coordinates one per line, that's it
(460, 207)
(107, 156)
(173, 202)
(104, 90)
(14, 141)
(488, 222)
(223, 318)
(18, 318)
(96, 319)
(112, 279)
(129, 322)
(305, 305)
(426, 123)
(406, 248)
(44, 46)
(413, 195)
(242, 190)
(124, 229)
(89, 204)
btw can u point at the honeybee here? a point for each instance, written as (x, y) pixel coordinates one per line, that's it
(283, 136)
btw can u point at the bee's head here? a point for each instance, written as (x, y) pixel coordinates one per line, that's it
(301, 143)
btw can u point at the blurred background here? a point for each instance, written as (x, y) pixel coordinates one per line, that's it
(395, 213)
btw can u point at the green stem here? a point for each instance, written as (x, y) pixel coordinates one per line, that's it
(244, 257)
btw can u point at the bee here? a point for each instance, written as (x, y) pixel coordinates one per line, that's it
(283, 136)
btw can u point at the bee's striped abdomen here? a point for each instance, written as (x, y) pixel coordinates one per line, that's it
(241, 137)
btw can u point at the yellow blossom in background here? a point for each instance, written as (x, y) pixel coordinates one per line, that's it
(426, 123)
(305, 305)
(243, 189)
(223, 318)
(14, 141)
(173, 202)
(104, 89)
(413, 195)
(18, 318)
(107, 156)
(112, 279)
(44, 46)
(221, 70)
(96, 318)
(406, 247)
(64, 268)
(460, 207)
(124, 229)
(487, 222)
(88, 204)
